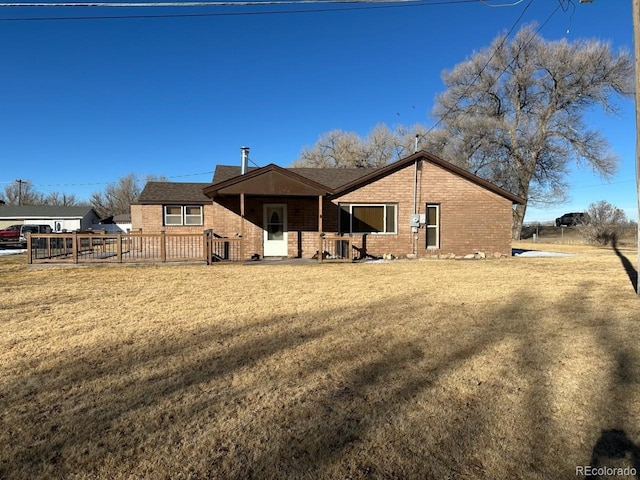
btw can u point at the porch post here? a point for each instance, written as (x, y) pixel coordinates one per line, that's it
(320, 228)
(242, 227)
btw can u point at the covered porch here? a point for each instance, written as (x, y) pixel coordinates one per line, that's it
(275, 213)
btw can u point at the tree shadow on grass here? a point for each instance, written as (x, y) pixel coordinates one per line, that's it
(614, 445)
(82, 404)
(628, 267)
(379, 384)
(85, 411)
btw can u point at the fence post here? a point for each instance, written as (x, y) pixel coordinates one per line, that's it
(119, 247)
(29, 250)
(74, 247)
(207, 257)
(163, 246)
(320, 252)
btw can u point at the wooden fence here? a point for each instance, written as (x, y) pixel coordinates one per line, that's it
(101, 247)
(131, 247)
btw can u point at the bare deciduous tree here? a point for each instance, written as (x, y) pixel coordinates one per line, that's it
(513, 113)
(62, 200)
(21, 192)
(606, 223)
(336, 148)
(342, 149)
(118, 196)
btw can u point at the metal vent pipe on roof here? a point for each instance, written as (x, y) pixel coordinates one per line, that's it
(244, 165)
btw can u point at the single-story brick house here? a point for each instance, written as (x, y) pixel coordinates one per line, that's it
(419, 206)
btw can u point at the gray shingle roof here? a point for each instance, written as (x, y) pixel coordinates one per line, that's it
(173, 192)
(42, 211)
(330, 177)
(177, 192)
(340, 180)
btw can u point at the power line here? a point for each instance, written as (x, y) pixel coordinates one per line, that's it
(477, 75)
(89, 184)
(197, 4)
(362, 5)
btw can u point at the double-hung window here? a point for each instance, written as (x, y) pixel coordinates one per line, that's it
(175, 215)
(368, 218)
(433, 225)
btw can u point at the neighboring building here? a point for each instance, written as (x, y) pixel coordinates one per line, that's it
(419, 206)
(115, 224)
(59, 218)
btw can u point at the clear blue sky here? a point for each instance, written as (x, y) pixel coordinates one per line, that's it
(84, 102)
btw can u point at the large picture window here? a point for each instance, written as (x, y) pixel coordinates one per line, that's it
(433, 225)
(175, 215)
(368, 218)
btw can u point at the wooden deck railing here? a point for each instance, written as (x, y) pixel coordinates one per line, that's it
(168, 247)
(342, 248)
(131, 247)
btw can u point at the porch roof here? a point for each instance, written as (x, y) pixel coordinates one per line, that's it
(269, 180)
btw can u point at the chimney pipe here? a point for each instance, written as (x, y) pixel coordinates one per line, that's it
(244, 165)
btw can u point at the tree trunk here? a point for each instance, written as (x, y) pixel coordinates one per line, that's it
(518, 218)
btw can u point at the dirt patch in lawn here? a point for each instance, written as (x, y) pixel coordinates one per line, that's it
(428, 369)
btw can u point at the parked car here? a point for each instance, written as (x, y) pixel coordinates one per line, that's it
(11, 233)
(18, 233)
(33, 229)
(572, 219)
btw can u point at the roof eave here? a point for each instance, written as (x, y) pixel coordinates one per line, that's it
(212, 190)
(423, 155)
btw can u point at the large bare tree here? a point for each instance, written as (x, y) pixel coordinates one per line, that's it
(340, 149)
(118, 196)
(513, 113)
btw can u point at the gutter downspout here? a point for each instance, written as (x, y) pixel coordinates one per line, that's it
(415, 198)
(415, 179)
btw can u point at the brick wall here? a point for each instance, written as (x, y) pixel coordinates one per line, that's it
(302, 222)
(149, 218)
(472, 219)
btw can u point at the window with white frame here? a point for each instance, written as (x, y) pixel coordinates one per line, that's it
(368, 218)
(175, 215)
(432, 225)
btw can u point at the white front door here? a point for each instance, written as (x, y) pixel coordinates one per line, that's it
(275, 230)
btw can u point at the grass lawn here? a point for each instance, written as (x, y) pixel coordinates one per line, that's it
(490, 369)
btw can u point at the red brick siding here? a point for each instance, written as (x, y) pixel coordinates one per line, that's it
(150, 219)
(302, 222)
(472, 218)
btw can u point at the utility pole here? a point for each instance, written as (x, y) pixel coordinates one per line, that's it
(636, 49)
(636, 43)
(20, 182)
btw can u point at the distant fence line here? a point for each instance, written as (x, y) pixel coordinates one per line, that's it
(544, 233)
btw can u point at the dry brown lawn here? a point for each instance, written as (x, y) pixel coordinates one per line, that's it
(519, 368)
